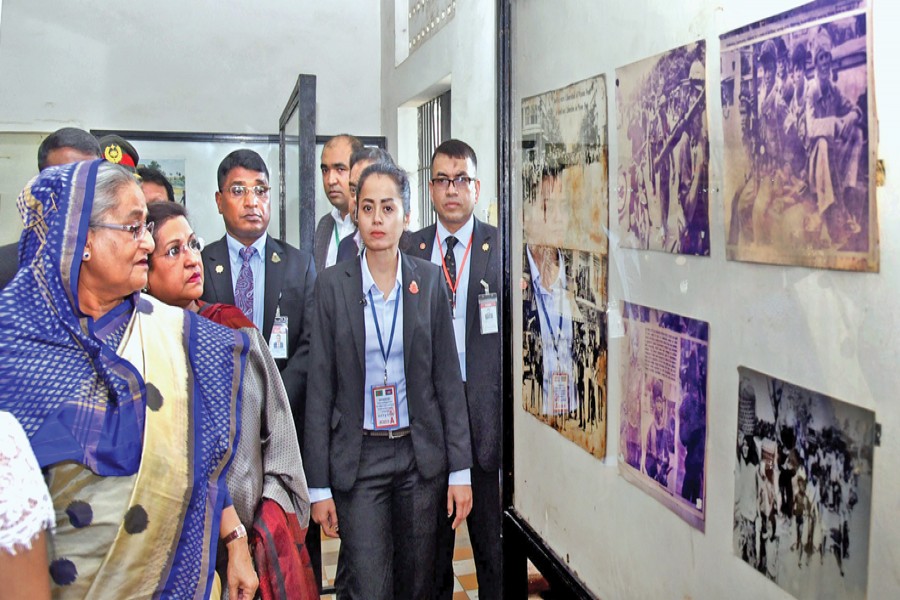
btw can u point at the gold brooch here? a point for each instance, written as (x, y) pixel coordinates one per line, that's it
(220, 269)
(276, 258)
(422, 246)
(486, 247)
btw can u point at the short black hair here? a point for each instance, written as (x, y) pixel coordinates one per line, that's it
(156, 176)
(395, 173)
(800, 56)
(247, 159)
(160, 212)
(455, 149)
(67, 137)
(355, 143)
(371, 154)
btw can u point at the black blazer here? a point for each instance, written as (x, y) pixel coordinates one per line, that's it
(347, 249)
(482, 351)
(435, 395)
(9, 263)
(321, 240)
(290, 282)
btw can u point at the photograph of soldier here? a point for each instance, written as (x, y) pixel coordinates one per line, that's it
(796, 109)
(663, 196)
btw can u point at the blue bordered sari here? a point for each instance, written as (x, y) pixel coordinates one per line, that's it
(147, 395)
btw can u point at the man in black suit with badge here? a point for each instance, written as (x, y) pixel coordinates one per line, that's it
(269, 280)
(468, 252)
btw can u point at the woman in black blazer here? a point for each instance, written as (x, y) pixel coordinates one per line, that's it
(386, 417)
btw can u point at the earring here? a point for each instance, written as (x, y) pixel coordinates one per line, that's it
(86, 255)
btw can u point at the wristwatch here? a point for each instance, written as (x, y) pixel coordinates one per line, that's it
(239, 532)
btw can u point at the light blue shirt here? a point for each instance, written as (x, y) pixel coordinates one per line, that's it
(384, 308)
(257, 266)
(464, 236)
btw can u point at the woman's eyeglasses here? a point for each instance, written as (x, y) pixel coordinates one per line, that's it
(137, 231)
(194, 244)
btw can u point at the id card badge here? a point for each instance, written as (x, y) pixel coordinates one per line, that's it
(278, 341)
(560, 390)
(384, 406)
(487, 313)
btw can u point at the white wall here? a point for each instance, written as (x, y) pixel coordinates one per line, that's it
(461, 56)
(210, 66)
(833, 332)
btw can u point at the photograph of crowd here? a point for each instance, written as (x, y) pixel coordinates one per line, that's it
(564, 343)
(662, 435)
(663, 178)
(799, 132)
(565, 176)
(803, 488)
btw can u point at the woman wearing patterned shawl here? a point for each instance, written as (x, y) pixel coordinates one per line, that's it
(130, 405)
(266, 479)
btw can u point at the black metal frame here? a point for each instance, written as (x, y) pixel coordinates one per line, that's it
(303, 102)
(520, 541)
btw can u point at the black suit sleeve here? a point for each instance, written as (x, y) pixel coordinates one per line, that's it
(448, 382)
(322, 388)
(294, 375)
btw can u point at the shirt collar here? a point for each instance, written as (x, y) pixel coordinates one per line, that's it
(368, 282)
(344, 222)
(234, 246)
(463, 234)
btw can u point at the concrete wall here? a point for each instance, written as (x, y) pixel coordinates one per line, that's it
(461, 57)
(211, 66)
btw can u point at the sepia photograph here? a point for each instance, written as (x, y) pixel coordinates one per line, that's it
(564, 343)
(565, 167)
(662, 434)
(565, 203)
(800, 139)
(663, 177)
(803, 487)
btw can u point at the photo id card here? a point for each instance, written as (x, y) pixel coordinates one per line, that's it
(560, 387)
(384, 406)
(487, 313)
(278, 341)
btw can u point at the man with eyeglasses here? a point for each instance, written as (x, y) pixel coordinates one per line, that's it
(269, 280)
(468, 252)
(63, 146)
(337, 224)
(351, 244)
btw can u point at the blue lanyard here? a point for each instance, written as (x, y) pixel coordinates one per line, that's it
(554, 338)
(385, 354)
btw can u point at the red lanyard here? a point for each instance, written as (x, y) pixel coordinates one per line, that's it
(462, 265)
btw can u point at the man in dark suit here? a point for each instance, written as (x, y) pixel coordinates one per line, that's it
(471, 270)
(63, 146)
(280, 279)
(337, 224)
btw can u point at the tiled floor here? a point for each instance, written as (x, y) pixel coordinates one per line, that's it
(464, 588)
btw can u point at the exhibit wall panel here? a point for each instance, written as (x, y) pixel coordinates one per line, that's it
(834, 332)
